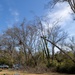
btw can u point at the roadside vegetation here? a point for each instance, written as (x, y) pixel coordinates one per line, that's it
(27, 47)
(35, 48)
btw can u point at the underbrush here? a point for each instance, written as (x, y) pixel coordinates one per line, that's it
(66, 67)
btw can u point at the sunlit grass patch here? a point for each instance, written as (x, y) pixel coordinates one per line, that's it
(12, 72)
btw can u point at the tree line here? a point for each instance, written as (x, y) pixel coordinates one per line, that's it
(27, 44)
(32, 44)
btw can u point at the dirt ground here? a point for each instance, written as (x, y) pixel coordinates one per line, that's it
(11, 72)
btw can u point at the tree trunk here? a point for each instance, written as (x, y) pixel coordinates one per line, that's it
(52, 53)
(47, 53)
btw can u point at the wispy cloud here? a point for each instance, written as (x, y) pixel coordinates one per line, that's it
(62, 13)
(14, 15)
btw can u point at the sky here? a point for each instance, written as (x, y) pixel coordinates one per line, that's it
(14, 11)
(62, 14)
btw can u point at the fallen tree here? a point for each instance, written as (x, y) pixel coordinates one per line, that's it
(58, 48)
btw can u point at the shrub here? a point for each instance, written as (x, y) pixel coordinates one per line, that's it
(66, 67)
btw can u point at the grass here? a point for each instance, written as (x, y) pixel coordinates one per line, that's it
(11, 72)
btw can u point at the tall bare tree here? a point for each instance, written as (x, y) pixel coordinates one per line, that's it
(56, 35)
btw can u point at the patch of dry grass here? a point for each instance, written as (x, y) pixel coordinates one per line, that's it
(11, 72)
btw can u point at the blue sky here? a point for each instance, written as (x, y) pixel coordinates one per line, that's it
(64, 15)
(13, 11)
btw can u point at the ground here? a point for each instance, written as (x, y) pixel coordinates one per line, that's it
(11, 72)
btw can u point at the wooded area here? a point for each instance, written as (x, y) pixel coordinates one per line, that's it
(37, 48)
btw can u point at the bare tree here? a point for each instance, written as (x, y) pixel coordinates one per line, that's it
(71, 45)
(56, 35)
(8, 43)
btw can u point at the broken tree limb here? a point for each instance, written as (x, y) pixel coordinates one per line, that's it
(58, 48)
